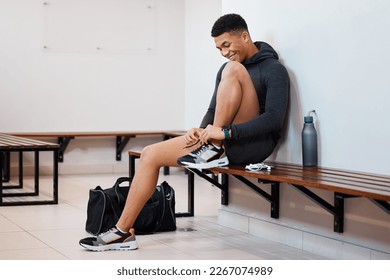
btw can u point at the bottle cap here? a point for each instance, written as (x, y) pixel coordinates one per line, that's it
(308, 119)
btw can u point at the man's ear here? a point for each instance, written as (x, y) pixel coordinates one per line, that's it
(245, 36)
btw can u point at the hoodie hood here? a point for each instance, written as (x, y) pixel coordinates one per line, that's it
(265, 52)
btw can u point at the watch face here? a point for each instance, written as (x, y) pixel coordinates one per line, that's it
(226, 132)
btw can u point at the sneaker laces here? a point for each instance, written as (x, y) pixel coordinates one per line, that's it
(108, 231)
(200, 150)
(191, 145)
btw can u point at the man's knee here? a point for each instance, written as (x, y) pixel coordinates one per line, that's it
(148, 153)
(233, 69)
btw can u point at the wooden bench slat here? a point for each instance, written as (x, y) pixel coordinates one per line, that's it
(122, 137)
(95, 133)
(338, 183)
(134, 153)
(299, 177)
(344, 174)
(21, 141)
(327, 179)
(365, 181)
(9, 141)
(326, 170)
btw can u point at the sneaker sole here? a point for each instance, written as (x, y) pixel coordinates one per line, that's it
(116, 246)
(215, 163)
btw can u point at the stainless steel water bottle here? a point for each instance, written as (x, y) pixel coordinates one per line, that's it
(309, 142)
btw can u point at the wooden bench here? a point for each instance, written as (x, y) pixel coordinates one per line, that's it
(121, 138)
(10, 144)
(343, 183)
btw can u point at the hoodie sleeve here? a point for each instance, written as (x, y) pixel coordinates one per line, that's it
(277, 87)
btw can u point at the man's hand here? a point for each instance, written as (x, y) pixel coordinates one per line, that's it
(192, 136)
(211, 132)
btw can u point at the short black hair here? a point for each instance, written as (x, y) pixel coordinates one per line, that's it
(229, 23)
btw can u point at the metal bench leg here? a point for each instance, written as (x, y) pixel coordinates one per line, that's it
(338, 213)
(224, 189)
(6, 166)
(36, 173)
(121, 143)
(55, 176)
(20, 170)
(191, 194)
(1, 177)
(337, 210)
(191, 197)
(275, 193)
(132, 166)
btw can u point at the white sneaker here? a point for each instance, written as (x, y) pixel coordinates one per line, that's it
(112, 239)
(206, 156)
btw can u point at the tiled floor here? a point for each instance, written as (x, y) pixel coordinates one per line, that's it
(53, 231)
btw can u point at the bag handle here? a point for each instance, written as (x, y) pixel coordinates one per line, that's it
(117, 205)
(120, 180)
(119, 195)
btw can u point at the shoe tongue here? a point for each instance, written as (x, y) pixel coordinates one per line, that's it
(200, 149)
(217, 147)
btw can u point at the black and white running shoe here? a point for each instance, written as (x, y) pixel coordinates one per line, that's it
(206, 156)
(112, 239)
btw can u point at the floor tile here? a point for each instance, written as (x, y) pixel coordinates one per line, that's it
(19, 240)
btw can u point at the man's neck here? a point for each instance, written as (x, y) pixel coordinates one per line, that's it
(252, 50)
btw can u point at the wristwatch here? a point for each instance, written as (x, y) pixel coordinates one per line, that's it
(226, 131)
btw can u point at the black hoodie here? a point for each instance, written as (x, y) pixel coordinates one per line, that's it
(272, 84)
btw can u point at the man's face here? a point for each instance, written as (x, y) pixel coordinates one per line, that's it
(232, 46)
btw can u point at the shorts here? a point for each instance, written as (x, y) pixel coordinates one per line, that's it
(250, 149)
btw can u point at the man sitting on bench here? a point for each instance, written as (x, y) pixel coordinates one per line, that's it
(242, 124)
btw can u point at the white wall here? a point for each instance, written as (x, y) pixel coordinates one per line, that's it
(337, 55)
(202, 58)
(73, 86)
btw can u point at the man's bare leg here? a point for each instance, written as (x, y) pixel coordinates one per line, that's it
(237, 100)
(152, 158)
